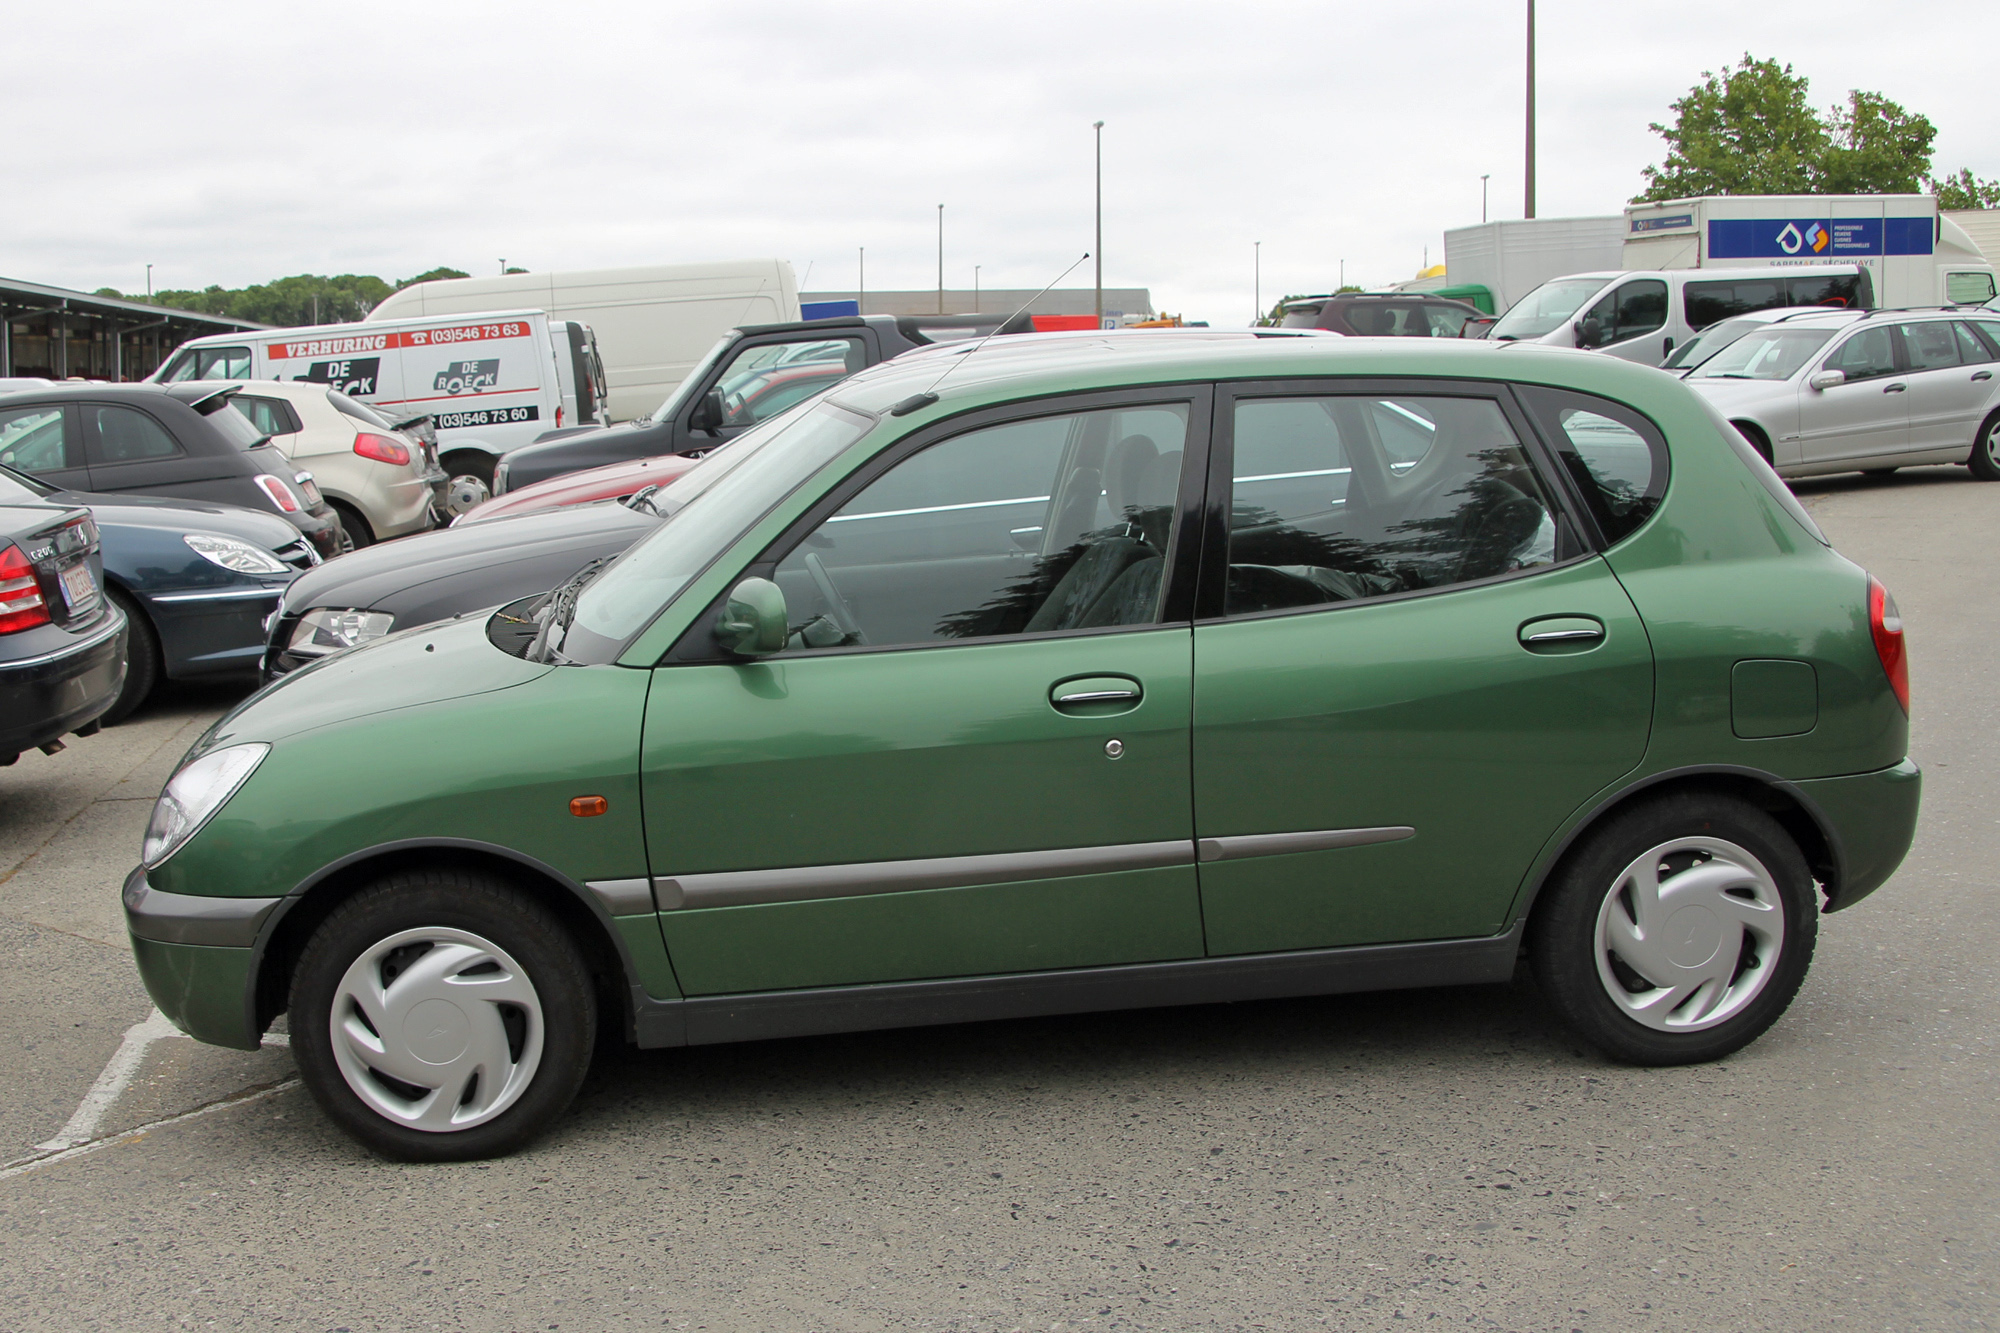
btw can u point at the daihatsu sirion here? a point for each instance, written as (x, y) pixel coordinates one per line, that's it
(1114, 671)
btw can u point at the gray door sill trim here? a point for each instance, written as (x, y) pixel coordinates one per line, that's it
(1483, 960)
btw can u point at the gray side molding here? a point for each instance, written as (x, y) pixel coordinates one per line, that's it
(736, 888)
(623, 897)
(1280, 844)
(183, 918)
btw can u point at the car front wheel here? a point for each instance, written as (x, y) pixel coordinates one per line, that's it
(1985, 459)
(1677, 932)
(442, 1016)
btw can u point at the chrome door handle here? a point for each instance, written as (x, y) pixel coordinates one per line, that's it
(1982, 374)
(1096, 696)
(1894, 388)
(1557, 634)
(1562, 635)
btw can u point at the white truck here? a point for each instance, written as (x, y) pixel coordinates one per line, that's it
(1510, 259)
(488, 384)
(653, 324)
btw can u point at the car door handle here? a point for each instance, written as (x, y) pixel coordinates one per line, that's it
(1982, 374)
(1096, 696)
(1562, 634)
(1894, 388)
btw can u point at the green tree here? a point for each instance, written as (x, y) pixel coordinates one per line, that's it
(1966, 190)
(1753, 130)
(435, 275)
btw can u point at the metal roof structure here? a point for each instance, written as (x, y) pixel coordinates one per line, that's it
(62, 334)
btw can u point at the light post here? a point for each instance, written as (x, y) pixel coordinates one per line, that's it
(975, 289)
(1482, 195)
(1529, 210)
(861, 282)
(149, 282)
(1257, 268)
(940, 259)
(1097, 247)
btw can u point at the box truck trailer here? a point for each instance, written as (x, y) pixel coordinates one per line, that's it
(652, 324)
(1511, 259)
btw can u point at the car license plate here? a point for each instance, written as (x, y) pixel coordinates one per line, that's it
(79, 590)
(311, 489)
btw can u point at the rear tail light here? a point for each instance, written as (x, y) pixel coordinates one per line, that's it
(1885, 623)
(21, 603)
(278, 493)
(381, 448)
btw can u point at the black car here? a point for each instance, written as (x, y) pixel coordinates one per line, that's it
(751, 375)
(196, 581)
(62, 644)
(182, 440)
(1387, 315)
(437, 575)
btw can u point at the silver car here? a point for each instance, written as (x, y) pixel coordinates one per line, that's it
(1872, 391)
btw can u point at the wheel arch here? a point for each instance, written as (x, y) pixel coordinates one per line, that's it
(1797, 813)
(299, 913)
(1760, 439)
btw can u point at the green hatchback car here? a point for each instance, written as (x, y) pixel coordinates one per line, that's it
(1107, 671)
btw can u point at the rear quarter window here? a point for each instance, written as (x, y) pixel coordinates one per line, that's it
(1615, 457)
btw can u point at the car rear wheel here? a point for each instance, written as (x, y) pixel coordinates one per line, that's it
(442, 1016)
(1677, 932)
(143, 666)
(1985, 460)
(471, 482)
(353, 525)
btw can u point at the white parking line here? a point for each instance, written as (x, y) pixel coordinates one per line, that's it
(117, 1075)
(84, 1149)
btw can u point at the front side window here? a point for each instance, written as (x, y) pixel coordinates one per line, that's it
(762, 381)
(1930, 345)
(1642, 307)
(1546, 309)
(127, 435)
(1338, 498)
(1968, 288)
(34, 439)
(1616, 457)
(1867, 354)
(216, 363)
(1055, 523)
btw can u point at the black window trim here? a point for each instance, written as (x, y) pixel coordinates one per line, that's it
(1579, 504)
(696, 645)
(93, 450)
(1211, 598)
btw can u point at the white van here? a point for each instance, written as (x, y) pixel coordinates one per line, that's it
(653, 324)
(1643, 316)
(488, 384)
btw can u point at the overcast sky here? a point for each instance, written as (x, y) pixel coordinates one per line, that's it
(232, 144)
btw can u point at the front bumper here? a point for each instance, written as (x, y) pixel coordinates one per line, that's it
(45, 695)
(1871, 819)
(197, 957)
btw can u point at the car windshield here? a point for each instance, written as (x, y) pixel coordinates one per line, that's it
(1710, 341)
(704, 512)
(17, 489)
(666, 410)
(1545, 309)
(1773, 353)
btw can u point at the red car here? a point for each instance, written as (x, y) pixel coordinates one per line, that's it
(614, 481)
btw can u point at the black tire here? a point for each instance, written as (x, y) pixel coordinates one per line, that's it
(143, 666)
(359, 534)
(1985, 459)
(470, 463)
(550, 1039)
(1756, 438)
(1591, 889)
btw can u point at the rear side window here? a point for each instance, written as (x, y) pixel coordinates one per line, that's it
(1617, 458)
(268, 415)
(1972, 349)
(128, 435)
(1707, 302)
(35, 439)
(1930, 345)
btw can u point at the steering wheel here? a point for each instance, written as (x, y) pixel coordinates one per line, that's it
(836, 605)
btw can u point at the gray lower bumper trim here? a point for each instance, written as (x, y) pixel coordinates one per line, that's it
(185, 918)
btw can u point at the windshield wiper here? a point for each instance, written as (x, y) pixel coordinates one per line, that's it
(560, 608)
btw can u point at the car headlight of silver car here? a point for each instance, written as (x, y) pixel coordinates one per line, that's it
(194, 795)
(231, 554)
(327, 629)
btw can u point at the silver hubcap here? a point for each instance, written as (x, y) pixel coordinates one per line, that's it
(1689, 934)
(464, 493)
(437, 1029)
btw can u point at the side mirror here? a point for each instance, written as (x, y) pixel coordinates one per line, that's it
(1828, 379)
(753, 622)
(708, 414)
(1589, 331)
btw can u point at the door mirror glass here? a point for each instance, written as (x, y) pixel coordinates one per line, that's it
(708, 413)
(753, 621)
(1828, 379)
(1589, 331)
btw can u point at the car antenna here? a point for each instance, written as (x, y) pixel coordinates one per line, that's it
(929, 396)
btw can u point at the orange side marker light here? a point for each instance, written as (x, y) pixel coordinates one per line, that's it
(583, 807)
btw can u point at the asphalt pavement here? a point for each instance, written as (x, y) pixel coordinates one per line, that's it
(1445, 1157)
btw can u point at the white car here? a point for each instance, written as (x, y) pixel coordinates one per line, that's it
(1872, 391)
(381, 481)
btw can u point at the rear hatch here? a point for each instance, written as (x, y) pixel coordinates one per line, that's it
(48, 565)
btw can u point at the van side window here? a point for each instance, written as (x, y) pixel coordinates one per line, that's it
(1617, 458)
(1842, 290)
(1705, 303)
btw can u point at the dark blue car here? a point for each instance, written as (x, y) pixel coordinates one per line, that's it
(195, 580)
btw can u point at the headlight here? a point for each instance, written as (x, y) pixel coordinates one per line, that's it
(325, 629)
(241, 557)
(194, 794)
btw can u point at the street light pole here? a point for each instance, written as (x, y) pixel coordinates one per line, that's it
(940, 259)
(1257, 268)
(149, 282)
(975, 289)
(1530, 201)
(1097, 249)
(1482, 195)
(861, 281)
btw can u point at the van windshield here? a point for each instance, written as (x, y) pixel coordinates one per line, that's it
(1546, 308)
(1768, 354)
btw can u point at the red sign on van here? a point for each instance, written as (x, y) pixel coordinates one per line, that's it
(351, 344)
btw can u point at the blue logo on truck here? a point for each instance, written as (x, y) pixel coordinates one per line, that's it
(1830, 239)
